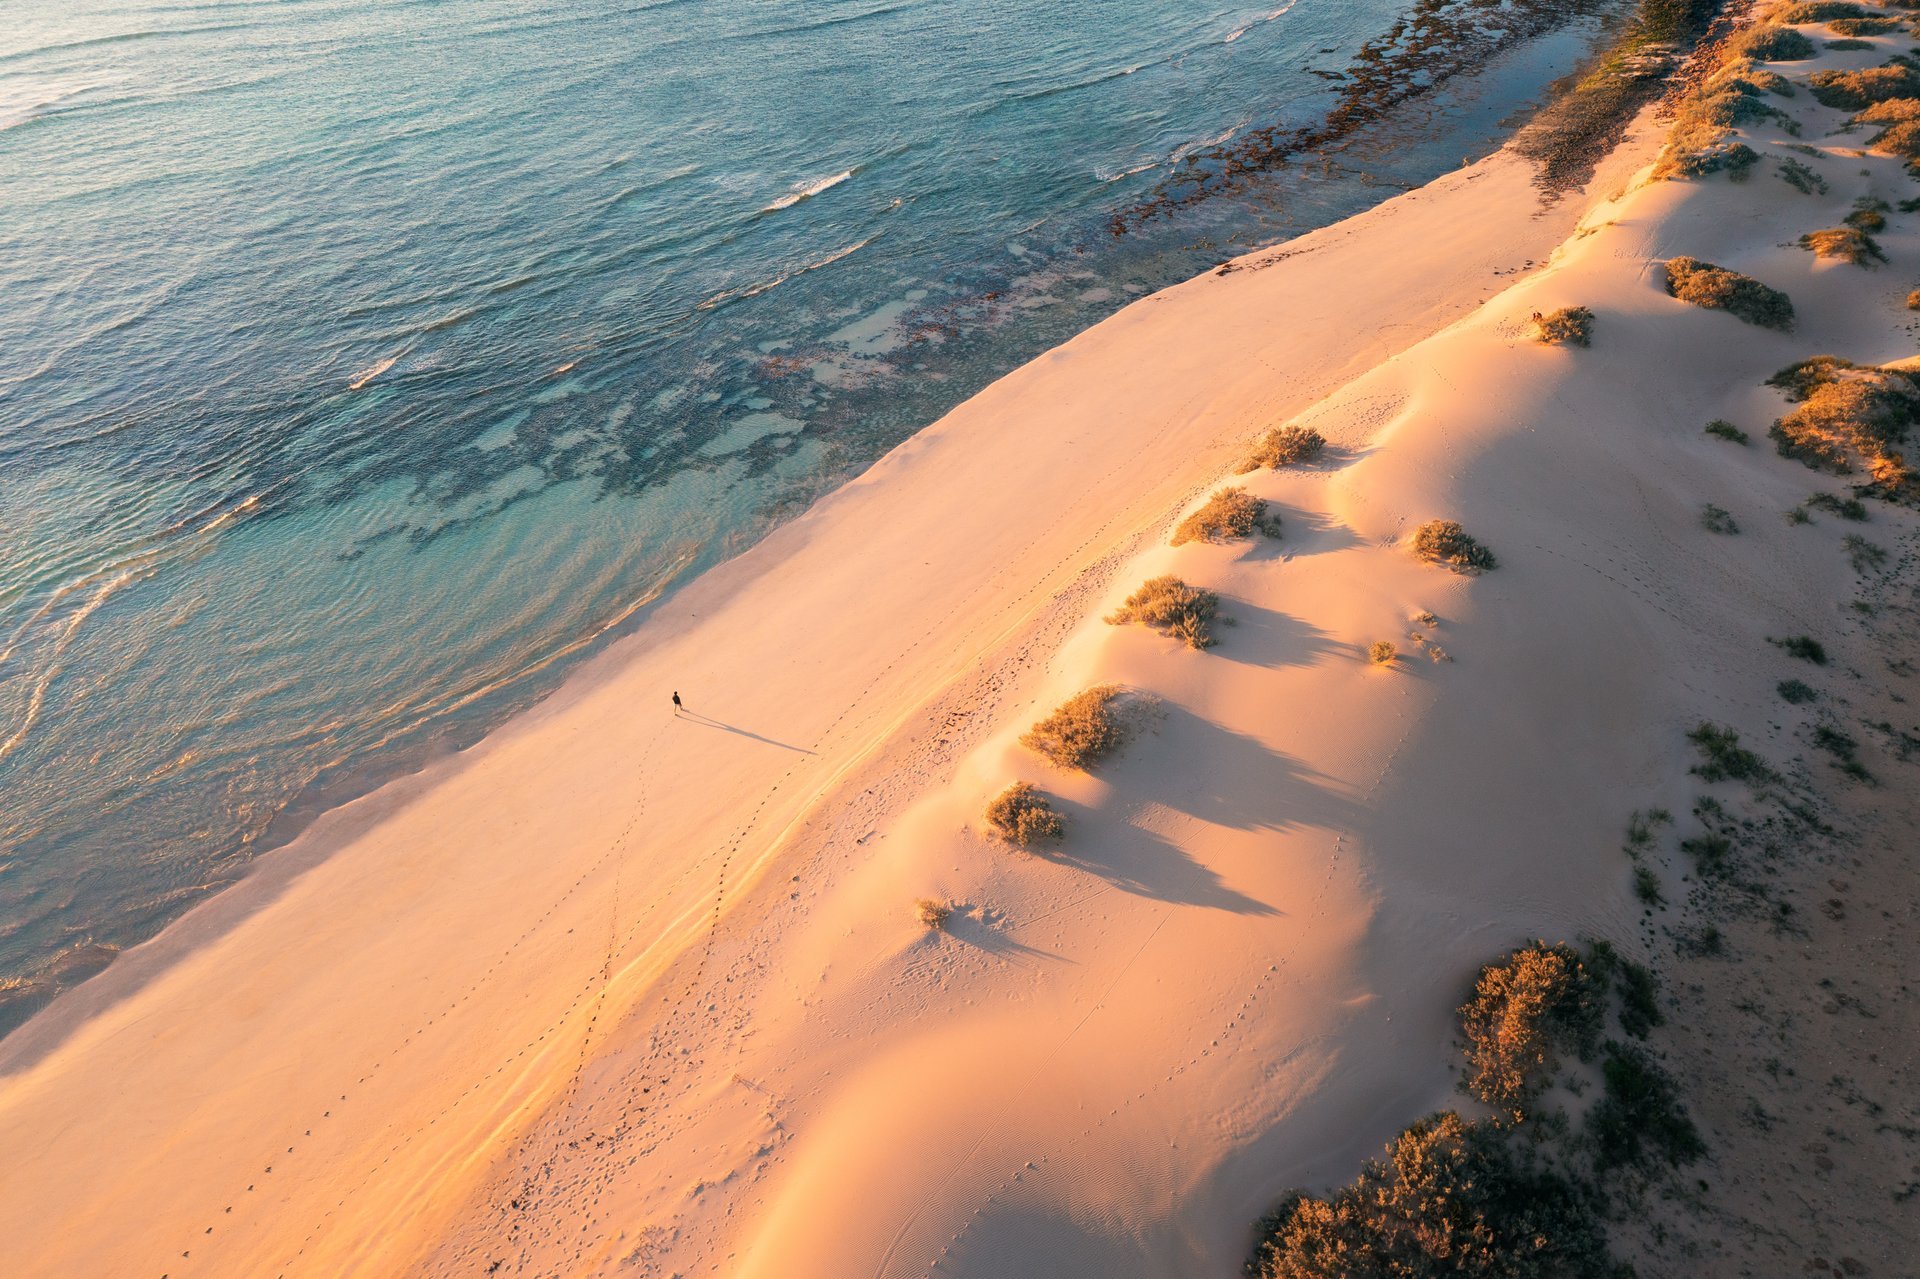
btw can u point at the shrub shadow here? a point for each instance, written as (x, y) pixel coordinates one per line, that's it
(1262, 637)
(1302, 533)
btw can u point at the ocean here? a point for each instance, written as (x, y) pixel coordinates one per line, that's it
(364, 363)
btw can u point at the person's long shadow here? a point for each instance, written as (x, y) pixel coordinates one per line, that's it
(708, 721)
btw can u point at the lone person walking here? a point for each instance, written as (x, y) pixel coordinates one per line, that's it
(676, 702)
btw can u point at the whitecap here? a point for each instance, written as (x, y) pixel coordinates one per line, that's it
(807, 190)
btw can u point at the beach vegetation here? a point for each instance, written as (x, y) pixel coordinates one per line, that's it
(1711, 852)
(1772, 43)
(1228, 514)
(1819, 11)
(1445, 542)
(1569, 326)
(1084, 729)
(932, 912)
(1023, 816)
(1862, 26)
(1638, 1120)
(1646, 886)
(1723, 758)
(1524, 1012)
(1804, 647)
(1862, 554)
(1717, 519)
(1170, 606)
(1858, 90)
(1802, 177)
(1913, 300)
(1795, 691)
(1844, 244)
(1844, 411)
(1284, 446)
(1868, 214)
(1382, 652)
(1703, 284)
(1847, 508)
(1735, 159)
(1847, 45)
(1725, 430)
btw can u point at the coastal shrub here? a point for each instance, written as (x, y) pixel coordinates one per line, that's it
(1646, 886)
(1726, 430)
(1381, 652)
(1892, 111)
(1795, 691)
(1857, 90)
(1735, 159)
(932, 913)
(1868, 215)
(1820, 11)
(1569, 326)
(1639, 1121)
(1085, 728)
(1862, 554)
(1717, 289)
(1168, 605)
(1711, 852)
(1717, 519)
(1023, 816)
(1802, 178)
(1524, 1011)
(1723, 758)
(1844, 244)
(1913, 300)
(1848, 45)
(1861, 27)
(1773, 44)
(1846, 410)
(1847, 508)
(1452, 1197)
(1284, 446)
(1804, 647)
(1445, 542)
(1229, 513)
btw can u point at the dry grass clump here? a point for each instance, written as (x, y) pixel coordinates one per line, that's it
(1023, 816)
(1229, 513)
(1773, 44)
(1857, 90)
(1820, 11)
(1445, 542)
(1847, 412)
(1892, 111)
(1718, 519)
(1735, 159)
(1083, 730)
(1284, 446)
(1569, 326)
(1168, 605)
(932, 913)
(1844, 244)
(1913, 300)
(1382, 652)
(1862, 27)
(1523, 1011)
(1705, 285)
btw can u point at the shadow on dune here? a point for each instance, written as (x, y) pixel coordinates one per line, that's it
(1194, 766)
(1302, 533)
(1147, 865)
(1262, 637)
(973, 928)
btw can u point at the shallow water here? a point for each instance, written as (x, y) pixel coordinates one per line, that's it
(363, 361)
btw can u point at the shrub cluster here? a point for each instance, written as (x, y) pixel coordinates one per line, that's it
(1718, 519)
(1727, 431)
(1023, 816)
(1382, 652)
(1845, 244)
(1569, 326)
(1705, 285)
(1862, 27)
(1284, 446)
(1085, 728)
(1857, 90)
(1229, 513)
(1723, 758)
(1445, 542)
(933, 913)
(1769, 43)
(1846, 411)
(1820, 11)
(1523, 1012)
(1168, 605)
(1802, 178)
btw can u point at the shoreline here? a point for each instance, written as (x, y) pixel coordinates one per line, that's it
(224, 944)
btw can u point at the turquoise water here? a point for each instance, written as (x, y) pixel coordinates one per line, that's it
(363, 361)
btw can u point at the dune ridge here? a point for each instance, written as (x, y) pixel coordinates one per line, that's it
(624, 992)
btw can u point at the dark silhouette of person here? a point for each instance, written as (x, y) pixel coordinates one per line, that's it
(676, 702)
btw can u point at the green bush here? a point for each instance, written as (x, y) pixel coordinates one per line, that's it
(1168, 605)
(1820, 11)
(1717, 519)
(1023, 815)
(1844, 244)
(1802, 178)
(1857, 90)
(1795, 691)
(1727, 431)
(1723, 758)
(1445, 542)
(1861, 27)
(1638, 1121)
(1085, 728)
(1804, 647)
(1717, 289)
(1229, 513)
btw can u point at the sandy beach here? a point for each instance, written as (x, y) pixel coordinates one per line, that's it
(624, 991)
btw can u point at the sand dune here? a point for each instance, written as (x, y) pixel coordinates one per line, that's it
(619, 992)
